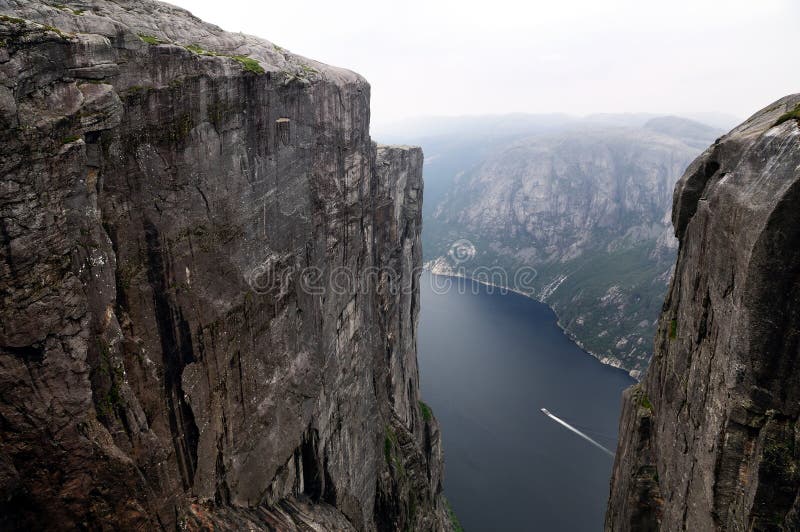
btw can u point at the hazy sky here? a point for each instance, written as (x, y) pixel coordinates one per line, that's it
(574, 56)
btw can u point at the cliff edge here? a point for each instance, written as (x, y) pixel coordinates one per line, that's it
(710, 438)
(209, 283)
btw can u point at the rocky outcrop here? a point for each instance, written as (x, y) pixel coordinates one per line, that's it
(586, 208)
(709, 439)
(209, 283)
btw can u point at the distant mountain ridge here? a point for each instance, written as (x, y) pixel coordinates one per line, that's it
(585, 203)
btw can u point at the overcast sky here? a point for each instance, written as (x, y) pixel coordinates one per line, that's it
(434, 57)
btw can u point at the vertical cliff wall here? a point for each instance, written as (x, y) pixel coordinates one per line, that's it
(209, 283)
(710, 439)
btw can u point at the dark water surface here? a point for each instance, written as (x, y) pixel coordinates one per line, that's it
(489, 362)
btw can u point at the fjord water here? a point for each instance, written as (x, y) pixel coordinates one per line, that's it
(489, 362)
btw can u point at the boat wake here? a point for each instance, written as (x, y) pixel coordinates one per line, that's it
(576, 431)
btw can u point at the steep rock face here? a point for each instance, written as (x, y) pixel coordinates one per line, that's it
(709, 439)
(209, 284)
(585, 208)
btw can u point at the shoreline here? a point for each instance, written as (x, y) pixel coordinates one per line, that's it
(564, 330)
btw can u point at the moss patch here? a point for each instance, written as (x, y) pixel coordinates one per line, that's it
(794, 114)
(70, 139)
(390, 452)
(249, 64)
(13, 20)
(199, 50)
(645, 401)
(68, 9)
(389, 442)
(673, 329)
(427, 413)
(108, 402)
(149, 39)
(55, 30)
(641, 399)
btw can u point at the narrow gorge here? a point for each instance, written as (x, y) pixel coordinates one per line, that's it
(175, 349)
(709, 440)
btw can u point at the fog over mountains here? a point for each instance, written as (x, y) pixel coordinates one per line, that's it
(584, 201)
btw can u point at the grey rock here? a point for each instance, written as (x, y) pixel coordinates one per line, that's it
(165, 357)
(709, 439)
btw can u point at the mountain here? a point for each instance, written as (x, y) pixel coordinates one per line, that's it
(709, 439)
(176, 347)
(689, 132)
(583, 207)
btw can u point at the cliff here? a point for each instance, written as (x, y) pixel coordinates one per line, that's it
(586, 208)
(709, 439)
(209, 283)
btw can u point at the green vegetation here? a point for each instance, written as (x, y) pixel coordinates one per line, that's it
(149, 39)
(62, 7)
(13, 20)
(22, 22)
(645, 401)
(70, 139)
(393, 459)
(54, 30)
(453, 518)
(304, 74)
(427, 413)
(673, 329)
(249, 64)
(199, 50)
(108, 402)
(640, 397)
(389, 442)
(308, 70)
(794, 114)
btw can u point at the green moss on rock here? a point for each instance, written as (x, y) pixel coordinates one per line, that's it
(794, 114)
(149, 39)
(427, 413)
(249, 64)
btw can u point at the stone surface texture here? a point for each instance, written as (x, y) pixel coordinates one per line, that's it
(209, 283)
(710, 439)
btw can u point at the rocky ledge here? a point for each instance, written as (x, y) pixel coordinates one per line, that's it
(177, 348)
